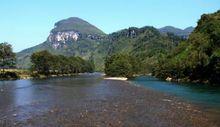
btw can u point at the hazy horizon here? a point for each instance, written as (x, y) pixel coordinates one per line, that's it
(26, 24)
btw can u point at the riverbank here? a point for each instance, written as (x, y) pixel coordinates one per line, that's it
(116, 78)
(101, 103)
(16, 74)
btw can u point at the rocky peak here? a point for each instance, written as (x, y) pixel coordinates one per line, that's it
(59, 38)
(71, 30)
(63, 36)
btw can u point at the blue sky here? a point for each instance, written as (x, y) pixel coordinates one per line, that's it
(26, 23)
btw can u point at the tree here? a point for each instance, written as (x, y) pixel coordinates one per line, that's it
(119, 65)
(7, 57)
(42, 62)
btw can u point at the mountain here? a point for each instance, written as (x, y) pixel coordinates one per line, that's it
(198, 58)
(72, 36)
(77, 25)
(179, 32)
(76, 37)
(146, 44)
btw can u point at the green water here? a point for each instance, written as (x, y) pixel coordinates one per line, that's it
(200, 94)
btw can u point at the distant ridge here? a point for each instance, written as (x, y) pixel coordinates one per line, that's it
(177, 31)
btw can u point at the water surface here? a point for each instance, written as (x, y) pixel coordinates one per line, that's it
(200, 94)
(89, 100)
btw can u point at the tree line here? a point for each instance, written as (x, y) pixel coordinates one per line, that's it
(43, 62)
(46, 63)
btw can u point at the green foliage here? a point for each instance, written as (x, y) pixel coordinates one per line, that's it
(196, 59)
(120, 65)
(7, 57)
(42, 62)
(46, 63)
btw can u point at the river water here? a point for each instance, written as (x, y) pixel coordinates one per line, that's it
(203, 95)
(92, 101)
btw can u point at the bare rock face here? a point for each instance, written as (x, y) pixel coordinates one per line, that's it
(72, 30)
(60, 38)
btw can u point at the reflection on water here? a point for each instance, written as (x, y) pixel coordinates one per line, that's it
(201, 94)
(45, 93)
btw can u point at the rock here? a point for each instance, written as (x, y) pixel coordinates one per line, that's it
(168, 79)
(167, 100)
(60, 38)
(1, 90)
(14, 115)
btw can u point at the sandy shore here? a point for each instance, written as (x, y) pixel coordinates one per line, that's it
(112, 103)
(116, 78)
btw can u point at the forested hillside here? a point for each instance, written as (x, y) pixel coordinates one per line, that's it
(198, 58)
(145, 44)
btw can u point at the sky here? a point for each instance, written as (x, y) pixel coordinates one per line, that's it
(26, 23)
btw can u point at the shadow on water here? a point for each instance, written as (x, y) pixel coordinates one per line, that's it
(201, 94)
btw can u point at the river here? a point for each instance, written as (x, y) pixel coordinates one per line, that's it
(203, 95)
(90, 100)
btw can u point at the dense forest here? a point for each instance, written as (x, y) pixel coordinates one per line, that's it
(198, 58)
(45, 63)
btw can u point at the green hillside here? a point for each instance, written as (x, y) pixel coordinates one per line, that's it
(145, 44)
(198, 58)
(76, 24)
(88, 39)
(76, 37)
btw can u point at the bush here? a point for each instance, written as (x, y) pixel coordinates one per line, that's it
(9, 75)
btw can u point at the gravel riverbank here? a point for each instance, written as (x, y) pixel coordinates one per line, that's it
(110, 103)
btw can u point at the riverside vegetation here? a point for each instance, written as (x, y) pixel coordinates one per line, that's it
(47, 64)
(7, 60)
(43, 64)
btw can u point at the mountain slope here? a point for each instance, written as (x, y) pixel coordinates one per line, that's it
(146, 44)
(78, 25)
(197, 58)
(72, 36)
